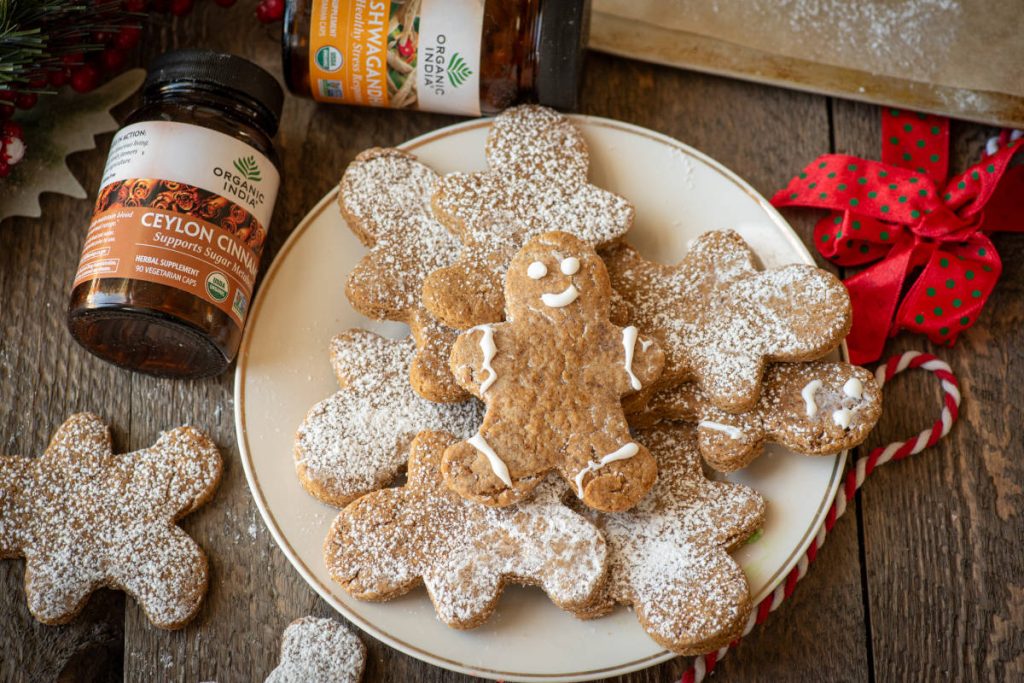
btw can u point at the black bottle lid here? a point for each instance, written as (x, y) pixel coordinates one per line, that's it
(220, 70)
(561, 45)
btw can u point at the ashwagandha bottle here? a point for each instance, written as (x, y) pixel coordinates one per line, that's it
(171, 256)
(457, 56)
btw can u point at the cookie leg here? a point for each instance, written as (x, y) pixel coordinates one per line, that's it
(167, 576)
(475, 469)
(610, 474)
(56, 590)
(465, 294)
(701, 603)
(464, 597)
(729, 442)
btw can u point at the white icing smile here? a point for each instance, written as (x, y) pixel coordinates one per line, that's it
(563, 298)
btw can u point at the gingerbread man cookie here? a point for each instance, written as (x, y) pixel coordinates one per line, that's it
(553, 377)
(386, 543)
(537, 182)
(356, 441)
(85, 518)
(385, 199)
(818, 408)
(668, 555)
(319, 650)
(720, 319)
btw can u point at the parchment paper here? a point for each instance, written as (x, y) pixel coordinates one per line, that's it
(959, 57)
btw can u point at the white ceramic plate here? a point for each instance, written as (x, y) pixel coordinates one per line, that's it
(283, 369)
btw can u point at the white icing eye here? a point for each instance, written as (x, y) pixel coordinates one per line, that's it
(536, 271)
(570, 266)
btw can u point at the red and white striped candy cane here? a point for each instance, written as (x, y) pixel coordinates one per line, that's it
(864, 466)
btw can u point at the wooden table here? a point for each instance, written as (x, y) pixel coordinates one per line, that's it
(922, 579)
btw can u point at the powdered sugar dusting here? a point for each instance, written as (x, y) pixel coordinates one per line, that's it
(386, 543)
(356, 441)
(719, 319)
(385, 195)
(86, 518)
(318, 650)
(668, 555)
(537, 183)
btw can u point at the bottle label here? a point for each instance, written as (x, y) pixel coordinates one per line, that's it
(416, 54)
(182, 206)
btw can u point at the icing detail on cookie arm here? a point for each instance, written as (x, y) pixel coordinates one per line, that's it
(497, 464)
(488, 348)
(563, 298)
(629, 335)
(808, 396)
(731, 431)
(854, 388)
(624, 453)
(843, 417)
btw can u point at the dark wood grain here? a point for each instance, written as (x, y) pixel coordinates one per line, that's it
(939, 594)
(942, 530)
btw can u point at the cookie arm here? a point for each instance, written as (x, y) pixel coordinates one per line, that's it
(471, 360)
(639, 356)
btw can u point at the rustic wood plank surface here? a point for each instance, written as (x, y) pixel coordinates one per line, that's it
(921, 579)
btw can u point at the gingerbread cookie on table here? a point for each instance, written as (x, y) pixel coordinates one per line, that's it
(817, 408)
(388, 542)
(668, 556)
(357, 440)
(84, 518)
(720, 319)
(537, 182)
(385, 198)
(553, 377)
(319, 650)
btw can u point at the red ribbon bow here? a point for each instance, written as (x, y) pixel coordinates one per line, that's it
(895, 213)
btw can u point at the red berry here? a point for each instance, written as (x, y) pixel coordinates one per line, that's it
(8, 95)
(128, 37)
(85, 78)
(5, 170)
(180, 8)
(113, 59)
(269, 11)
(37, 81)
(59, 78)
(134, 5)
(26, 100)
(11, 129)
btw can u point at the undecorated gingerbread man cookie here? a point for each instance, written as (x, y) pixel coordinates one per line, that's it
(720, 319)
(668, 556)
(537, 182)
(553, 377)
(319, 650)
(85, 518)
(817, 408)
(388, 542)
(357, 440)
(385, 198)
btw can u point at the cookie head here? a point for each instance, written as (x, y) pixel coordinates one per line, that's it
(553, 276)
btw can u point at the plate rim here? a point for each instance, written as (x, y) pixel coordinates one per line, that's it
(270, 522)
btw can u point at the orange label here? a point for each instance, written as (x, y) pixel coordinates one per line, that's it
(415, 54)
(348, 51)
(170, 247)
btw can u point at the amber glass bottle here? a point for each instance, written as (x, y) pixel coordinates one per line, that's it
(171, 256)
(458, 56)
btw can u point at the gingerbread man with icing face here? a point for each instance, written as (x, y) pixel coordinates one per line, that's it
(553, 377)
